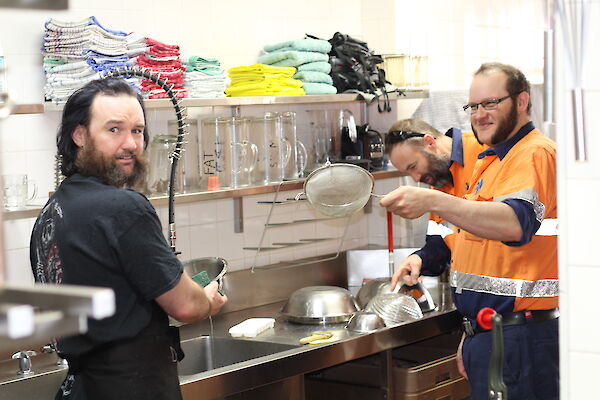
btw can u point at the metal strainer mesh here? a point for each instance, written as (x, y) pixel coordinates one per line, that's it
(338, 190)
(394, 308)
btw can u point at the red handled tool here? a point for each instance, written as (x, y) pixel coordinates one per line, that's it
(390, 234)
(488, 318)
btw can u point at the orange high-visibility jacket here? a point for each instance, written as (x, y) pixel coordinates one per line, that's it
(461, 171)
(490, 273)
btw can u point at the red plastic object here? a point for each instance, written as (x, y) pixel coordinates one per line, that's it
(484, 318)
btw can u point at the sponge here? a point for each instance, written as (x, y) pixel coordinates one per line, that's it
(202, 279)
(251, 327)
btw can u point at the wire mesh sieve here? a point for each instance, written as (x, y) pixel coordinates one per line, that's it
(339, 190)
(394, 308)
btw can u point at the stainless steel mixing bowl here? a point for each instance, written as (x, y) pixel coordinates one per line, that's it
(364, 322)
(319, 304)
(215, 267)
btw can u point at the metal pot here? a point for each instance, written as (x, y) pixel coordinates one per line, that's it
(215, 267)
(319, 305)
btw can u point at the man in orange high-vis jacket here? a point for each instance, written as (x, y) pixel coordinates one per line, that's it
(443, 161)
(505, 249)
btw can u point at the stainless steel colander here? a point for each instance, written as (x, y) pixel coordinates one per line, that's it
(339, 190)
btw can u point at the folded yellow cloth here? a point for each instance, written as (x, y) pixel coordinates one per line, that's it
(263, 90)
(262, 68)
(263, 80)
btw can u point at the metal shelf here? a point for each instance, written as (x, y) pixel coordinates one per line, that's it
(186, 198)
(28, 109)
(261, 100)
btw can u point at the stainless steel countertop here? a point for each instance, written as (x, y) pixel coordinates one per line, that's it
(238, 377)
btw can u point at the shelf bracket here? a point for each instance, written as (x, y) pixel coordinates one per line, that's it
(238, 215)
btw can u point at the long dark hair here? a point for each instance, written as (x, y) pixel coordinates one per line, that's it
(77, 112)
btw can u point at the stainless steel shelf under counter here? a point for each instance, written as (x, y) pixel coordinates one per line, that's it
(299, 360)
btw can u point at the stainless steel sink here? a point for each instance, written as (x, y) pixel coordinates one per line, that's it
(206, 352)
(42, 384)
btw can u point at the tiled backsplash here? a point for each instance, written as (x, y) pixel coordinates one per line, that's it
(206, 229)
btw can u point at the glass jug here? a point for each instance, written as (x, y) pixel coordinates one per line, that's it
(296, 164)
(160, 165)
(215, 153)
(273, 151)
(244, 153)
(326, 127)
(188, 164)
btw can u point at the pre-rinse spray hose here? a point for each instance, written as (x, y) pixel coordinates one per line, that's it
(175, 155)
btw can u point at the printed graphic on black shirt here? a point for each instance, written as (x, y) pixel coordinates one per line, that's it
(47, 266)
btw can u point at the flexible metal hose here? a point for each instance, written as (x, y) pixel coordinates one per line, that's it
(175, 155)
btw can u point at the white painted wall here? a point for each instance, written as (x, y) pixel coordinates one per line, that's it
(579, 190)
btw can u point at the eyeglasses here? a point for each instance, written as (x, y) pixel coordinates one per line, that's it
(490, 104)
(401, 136)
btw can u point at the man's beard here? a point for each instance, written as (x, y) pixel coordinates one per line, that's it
(438, 170)
(505, 127)
(91, 162)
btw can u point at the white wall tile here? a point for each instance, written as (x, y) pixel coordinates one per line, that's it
(230, 243)
(583, 329)
(203, 212)
(582, 378)
(183, 242)
(17, 233)
(204, 242)
(18, 267)
(581, 233)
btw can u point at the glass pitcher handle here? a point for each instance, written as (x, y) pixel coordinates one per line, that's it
(254, 151)
(302, 155)
(288, 152)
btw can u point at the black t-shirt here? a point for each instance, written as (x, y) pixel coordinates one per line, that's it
(91, 233)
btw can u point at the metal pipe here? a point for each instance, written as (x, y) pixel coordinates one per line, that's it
(579, 124)
(549, 75)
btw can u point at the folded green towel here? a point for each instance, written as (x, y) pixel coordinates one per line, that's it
(319, 88)
(320, 46)
(291, 58)
(313, 76)
(197, 60)
(319, 66)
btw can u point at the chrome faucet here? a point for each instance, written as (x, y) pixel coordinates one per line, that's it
(51, 348)
(24, 361)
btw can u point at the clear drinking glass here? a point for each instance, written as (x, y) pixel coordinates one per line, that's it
(15, 191)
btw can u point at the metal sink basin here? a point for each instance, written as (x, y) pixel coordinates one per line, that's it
(207, 352)
(42, 384)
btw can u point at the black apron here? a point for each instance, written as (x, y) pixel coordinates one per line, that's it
(143, 367)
